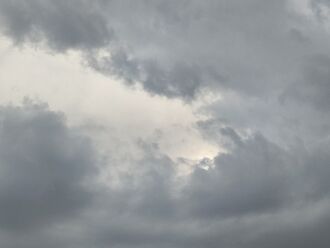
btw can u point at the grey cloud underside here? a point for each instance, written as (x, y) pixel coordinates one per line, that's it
(61, 23)
(271, 189)
(43, 168)
(256, 47)
(258, 195)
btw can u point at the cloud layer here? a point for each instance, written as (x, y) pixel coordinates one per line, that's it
(43, 168)
(50, 195)
(268, 185)
(242, 46)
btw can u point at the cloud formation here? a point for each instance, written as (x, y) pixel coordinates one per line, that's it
(260, 195)
(242, 46)
(257, 190)
(44, 165)
(268, 185)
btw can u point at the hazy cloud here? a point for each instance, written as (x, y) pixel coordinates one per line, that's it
(268, 185)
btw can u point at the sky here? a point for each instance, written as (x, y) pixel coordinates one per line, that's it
(164, 123)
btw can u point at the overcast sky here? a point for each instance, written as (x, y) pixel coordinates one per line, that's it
(164, 123)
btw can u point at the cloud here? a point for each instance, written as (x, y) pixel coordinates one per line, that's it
(62, 24)
(258, 190)
(254, 191)
(253, 179)
(44, 166)
(269, 188)
(313, 85)
(176, 49)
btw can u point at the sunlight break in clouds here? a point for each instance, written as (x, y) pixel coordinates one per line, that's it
(164, 124)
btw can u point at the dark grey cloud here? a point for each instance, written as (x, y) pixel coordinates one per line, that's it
(270, 189)
(155, 78)
(251, 180)
(313, 86)
(257, 195)
(63, 24)
(44, 165)
(175, 48)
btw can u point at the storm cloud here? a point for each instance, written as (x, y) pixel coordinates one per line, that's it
(44, 165)
(265, 66)
(254, 46)
(257, 190)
